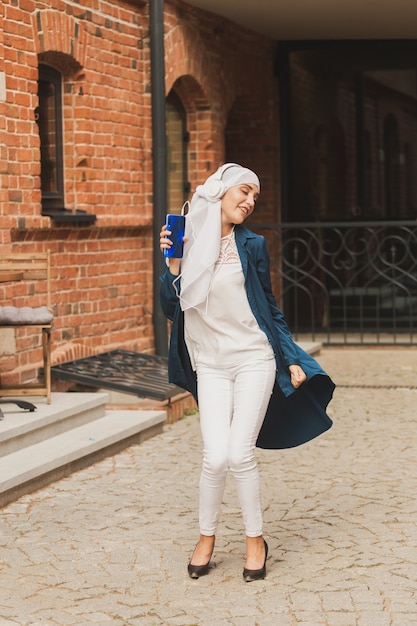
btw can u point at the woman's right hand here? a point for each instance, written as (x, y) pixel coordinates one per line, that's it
(165, 243)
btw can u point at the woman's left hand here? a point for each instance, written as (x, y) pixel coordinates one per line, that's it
(297, 375)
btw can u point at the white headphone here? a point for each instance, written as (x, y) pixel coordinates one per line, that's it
(214, 188)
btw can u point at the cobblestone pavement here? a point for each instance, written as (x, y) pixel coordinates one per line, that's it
(110, 544)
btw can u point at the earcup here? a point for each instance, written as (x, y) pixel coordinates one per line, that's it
(214, 188)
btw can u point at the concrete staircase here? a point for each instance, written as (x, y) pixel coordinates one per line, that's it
(75, 430)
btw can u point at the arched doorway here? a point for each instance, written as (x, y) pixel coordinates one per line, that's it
(177, 141)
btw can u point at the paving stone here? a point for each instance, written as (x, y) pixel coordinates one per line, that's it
(110, 544)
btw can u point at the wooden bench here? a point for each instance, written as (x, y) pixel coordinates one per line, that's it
(33, 274)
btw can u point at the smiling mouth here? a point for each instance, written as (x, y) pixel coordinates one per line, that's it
(244, 209)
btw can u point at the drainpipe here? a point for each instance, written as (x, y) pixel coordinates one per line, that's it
(159, 167)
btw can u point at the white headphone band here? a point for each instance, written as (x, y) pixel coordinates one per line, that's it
(223, 169)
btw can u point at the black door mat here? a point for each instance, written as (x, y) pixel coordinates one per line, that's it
(143, 375)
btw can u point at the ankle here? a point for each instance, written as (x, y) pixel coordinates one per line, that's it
(207, 540)
(205, 545)
(255, 552)
(255, 543)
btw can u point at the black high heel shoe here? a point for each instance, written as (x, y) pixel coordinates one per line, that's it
(196, 571)
(249, 575)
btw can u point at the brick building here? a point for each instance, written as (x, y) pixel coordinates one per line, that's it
(76, 157)
(87, 197)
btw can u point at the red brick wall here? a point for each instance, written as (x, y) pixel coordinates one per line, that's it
(102, 274)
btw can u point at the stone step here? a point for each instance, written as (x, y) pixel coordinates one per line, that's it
(37, 465)
(20, 428)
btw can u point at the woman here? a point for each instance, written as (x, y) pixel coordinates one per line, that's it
(230, 346)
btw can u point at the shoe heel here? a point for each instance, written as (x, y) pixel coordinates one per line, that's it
(249, 575)
(196, 571)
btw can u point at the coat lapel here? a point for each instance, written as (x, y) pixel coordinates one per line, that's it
(242, 235)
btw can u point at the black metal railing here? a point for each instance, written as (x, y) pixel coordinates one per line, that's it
(347, 283)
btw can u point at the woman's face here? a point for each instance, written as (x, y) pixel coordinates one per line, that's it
(238, 203)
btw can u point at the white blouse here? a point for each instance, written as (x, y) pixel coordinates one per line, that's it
(222, 331)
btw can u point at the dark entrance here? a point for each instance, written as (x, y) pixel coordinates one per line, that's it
(349, 170)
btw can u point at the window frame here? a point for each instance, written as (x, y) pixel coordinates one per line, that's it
(52, 201)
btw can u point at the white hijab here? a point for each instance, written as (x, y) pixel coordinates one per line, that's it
(203, 230)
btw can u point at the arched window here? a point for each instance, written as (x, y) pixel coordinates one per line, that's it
(49, 119)
(177, 139)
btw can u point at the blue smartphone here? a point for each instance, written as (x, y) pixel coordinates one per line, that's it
(176, 224)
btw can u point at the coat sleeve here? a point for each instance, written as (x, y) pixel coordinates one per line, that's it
(286, 342)
(180, 371)
(168, 295)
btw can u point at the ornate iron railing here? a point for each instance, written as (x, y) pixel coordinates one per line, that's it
(349, 283)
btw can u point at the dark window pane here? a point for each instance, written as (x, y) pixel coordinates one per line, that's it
(49, 118)
(177, 153)
(47, 131)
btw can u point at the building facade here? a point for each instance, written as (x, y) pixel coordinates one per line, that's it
(330, 127)
(76, 154)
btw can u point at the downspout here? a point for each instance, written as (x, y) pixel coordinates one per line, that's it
(159, 164)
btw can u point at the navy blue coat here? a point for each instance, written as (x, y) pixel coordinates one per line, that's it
(294, 416)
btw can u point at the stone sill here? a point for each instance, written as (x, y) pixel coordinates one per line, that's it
(72, 217)
(42, 222)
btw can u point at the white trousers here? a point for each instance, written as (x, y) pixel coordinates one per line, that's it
(232, 405)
